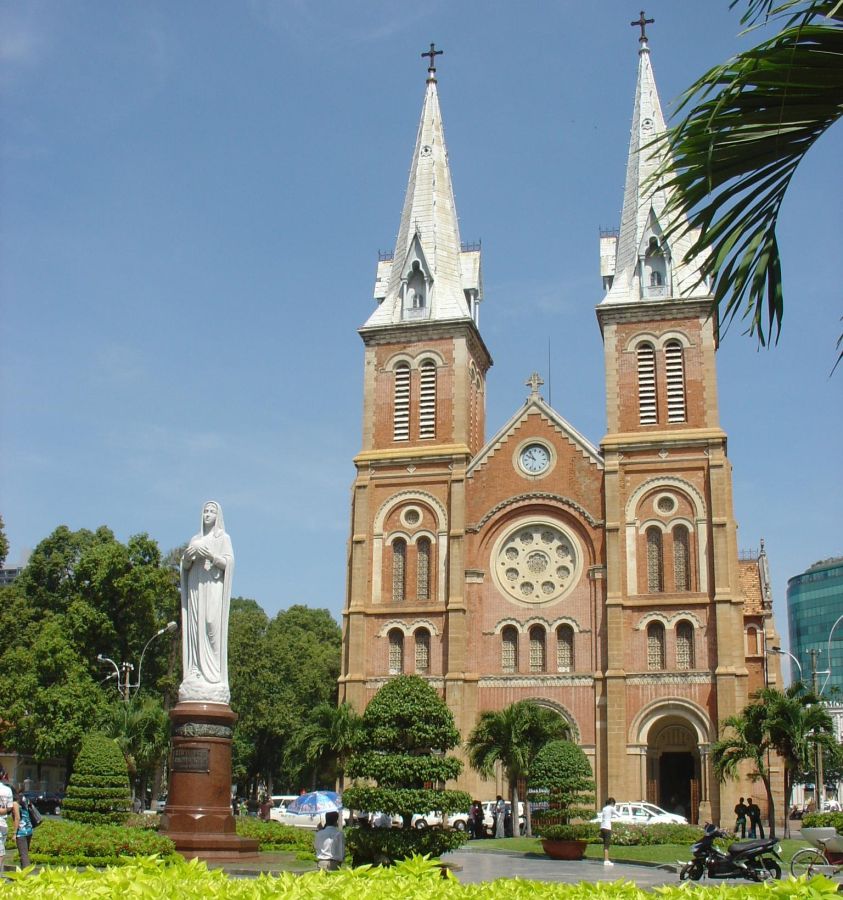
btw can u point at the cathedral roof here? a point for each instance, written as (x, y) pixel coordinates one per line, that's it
(644, 206)
(428, 234)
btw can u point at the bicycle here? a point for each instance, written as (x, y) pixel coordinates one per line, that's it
(816, 861)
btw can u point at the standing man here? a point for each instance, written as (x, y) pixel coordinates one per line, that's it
(500, 817)
(606, 828)
(329, 843)
(740, 818)
(756, 829)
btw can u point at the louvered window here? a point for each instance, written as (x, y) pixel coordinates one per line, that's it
(675, 369)
(655, 646)
(399, 568)
(537, 649)
(681, 558)
(396, 652)
(565, 648)
(401, 412)
(685, 646)
(422, 651)
(655, 561)
(509, 649)
(423, 569)
(427, 400)
(647, 411)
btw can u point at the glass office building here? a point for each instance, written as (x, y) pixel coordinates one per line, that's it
(814, 604)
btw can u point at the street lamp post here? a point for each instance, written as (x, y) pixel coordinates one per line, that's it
(123, 672)
(781, 652)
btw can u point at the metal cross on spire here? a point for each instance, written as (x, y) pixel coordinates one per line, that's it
(642, 23)
(432, 53)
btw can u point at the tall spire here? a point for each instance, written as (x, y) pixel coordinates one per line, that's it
(429, 277)
(646, 267)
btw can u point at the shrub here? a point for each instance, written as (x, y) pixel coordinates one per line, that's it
(585, 831)
(562, 774)
(72, 844)
(380, 845)
(275, 836)
(824, 820)
(647, 835)
(406, 732)
(98, 792)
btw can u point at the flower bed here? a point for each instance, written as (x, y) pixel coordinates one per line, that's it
(75, 844)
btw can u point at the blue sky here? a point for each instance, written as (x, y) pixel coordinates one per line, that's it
(193, 197)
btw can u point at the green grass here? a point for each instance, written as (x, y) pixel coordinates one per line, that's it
(656, 853)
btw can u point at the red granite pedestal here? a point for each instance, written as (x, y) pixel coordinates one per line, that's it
(198, 815)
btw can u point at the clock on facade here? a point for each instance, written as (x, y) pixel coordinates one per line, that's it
(534, 459)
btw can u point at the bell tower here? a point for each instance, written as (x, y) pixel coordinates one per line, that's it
(674, 615)
(425, 367)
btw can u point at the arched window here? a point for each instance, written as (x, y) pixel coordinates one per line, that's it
(399, 569)
(681, 558)
(422, 651)
(655, 646)
(396, 652)
(401, 410)
(685, 658)
(509, 649)
(753, 644)
(675, 373)
(423, 569)
(537, 655)
(647, 410)
(565, 648)
(655, 279)
(655, 561)
(427, 399)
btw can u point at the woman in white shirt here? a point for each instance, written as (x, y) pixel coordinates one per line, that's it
(606, 828)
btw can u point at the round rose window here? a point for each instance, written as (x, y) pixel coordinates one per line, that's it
(536, 562)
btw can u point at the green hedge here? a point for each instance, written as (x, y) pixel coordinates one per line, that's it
(414, 879)
(275, 836)
(824, 820)
(380, 845)
(68, 843)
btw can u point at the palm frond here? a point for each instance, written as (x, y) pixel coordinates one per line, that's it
(731, 159)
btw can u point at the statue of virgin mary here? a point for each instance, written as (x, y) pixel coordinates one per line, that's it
(206, 569)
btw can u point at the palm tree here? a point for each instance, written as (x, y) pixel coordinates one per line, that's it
(141, 730)
(751, 122)
(788, 723)
(331, 732)
(512, 737)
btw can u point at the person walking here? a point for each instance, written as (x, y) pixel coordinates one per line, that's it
(329, 843)
(741, 810)
(756, 829)
(7, 803)
(23, 828)
(606, 828)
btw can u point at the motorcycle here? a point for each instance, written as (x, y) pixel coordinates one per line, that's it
(755, 860)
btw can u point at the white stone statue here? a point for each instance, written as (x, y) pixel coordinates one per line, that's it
(206, 569)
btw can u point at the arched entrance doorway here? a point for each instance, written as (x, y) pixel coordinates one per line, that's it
(673, 767)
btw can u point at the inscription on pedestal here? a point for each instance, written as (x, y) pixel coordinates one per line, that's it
(191, 759)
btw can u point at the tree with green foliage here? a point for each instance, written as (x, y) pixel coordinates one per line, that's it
(328, 737)
(512, 737)
(406, 733)
(280, 670)
(98, 793)
(732, 157)
(788, 723)
(82, 593)
(561, 776)
(141, 729)
(4, 543)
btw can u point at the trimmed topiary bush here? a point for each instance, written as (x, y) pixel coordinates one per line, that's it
(824, 820)
(275, 836)
(98, 793)
(406, 732)
(561, 775)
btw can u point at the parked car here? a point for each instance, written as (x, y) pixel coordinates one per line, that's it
(280, 802)
(46, 802)
(644, 813)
